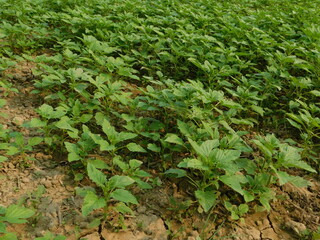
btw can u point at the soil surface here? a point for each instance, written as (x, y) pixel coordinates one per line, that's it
(44, 182)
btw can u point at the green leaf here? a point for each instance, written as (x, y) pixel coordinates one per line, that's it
(3, 102)
(92, 202)
(94, 223)
(234, 182)
(17, 214)
(96, 176)
(316, 93)
(134, 163)
(248, 197)
(143, 185)
(122, 136)
(178, 173)
(193, 163)
(266, 152)
(2, 210)
(123, 208)
(258, 109)
(11, 150)
(9, 236)
(290, 157)
(85, 118)
(295, 180)
(3, 159)
(173, 138)
(123, 196)
(34, 141)
(243, 208)
(120, 181)
(109, 130)
(2, 227)
(204, 150)
(294, 124)
(184, 128)
(98, 163)
(266, 197)
(73, 151)
(35, 122)
(153, 147)
(206, 199)
(133, 147)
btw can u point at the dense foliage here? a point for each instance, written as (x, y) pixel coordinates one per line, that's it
(222, 93)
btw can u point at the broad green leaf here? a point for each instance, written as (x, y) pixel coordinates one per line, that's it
(3, 102)
(96, 176)
(73, 151)
(46, 110)
(91, 202)
(153, 147)
(184, 128)
(122, 136)
(234, 182)
(205, 149)
(142, 184)
(2, 227)
(263, 148)
(3, 159)
(266, 197)
(98, 163)
(295, 118)
(35, 122)
(134, 164)
(34, 141)
(206, 199)
(64, 123)
(17, 214)
(73, 157)
(94, 223)
(11, 150)
(109, 130)
(85, 118)
(9, 236)
(178, 173)
(133, 147)
(193, 163)
(258, 109)
(173, 138)
(242, 121)
(243, 208)
(123, 208)
(248, 197)
(120, 181)
(316, 93)
(294, 124)
(123, 196)
(290, 157)
(231, 104)
(295, 180)
(225, 159)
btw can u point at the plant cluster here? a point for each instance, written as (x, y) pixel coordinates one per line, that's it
(207, 91)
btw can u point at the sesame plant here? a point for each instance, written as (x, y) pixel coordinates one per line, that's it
(222, 94)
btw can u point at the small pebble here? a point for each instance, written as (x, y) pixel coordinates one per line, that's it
(25, 180)
(48, 184)
(11, 166)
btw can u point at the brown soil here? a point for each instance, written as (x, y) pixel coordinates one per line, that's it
(40, 181)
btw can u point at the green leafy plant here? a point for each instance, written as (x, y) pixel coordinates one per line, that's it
(12, 214)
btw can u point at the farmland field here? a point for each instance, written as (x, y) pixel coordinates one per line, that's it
(163, 119)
